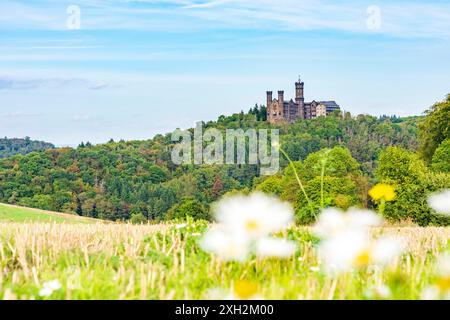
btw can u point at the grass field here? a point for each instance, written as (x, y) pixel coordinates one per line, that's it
(123, 261)
(11, 213)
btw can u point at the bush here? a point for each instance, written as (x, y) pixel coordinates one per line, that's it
(188, 208)
(138, 218)
(434, 128)
(338, 163)
(413, 183)
(337, 192)
(441, 158)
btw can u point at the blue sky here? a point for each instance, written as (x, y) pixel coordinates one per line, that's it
(137, 68)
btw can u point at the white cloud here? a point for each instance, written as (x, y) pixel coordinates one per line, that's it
(25, 83)
(81, 117)
(400, 18)
(19, 114)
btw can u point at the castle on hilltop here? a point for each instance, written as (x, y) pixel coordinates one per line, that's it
(281, 111)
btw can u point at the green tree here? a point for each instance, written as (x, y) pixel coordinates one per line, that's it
(441, 158)
(413, 183)
(188, 208)
(434, 128)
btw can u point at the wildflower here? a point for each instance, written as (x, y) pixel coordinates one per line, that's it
(244, 290)
(273, 247)
(229, 247)
(314, 268)
(216, 294)
(73, 278)
(49, 287)
(441, 287)
(245, 225)
(332, 222)
(383, 192)
(181, 226)
(354, 250)
(256, 215)
(196, 234)
(380, 291)
(440, 202)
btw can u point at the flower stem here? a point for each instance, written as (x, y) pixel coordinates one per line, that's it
(298, 180)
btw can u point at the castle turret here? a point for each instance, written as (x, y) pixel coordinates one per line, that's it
(269, 99)
(281, 103)
(300, 98)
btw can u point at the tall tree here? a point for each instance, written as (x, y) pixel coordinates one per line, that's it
(434, 128)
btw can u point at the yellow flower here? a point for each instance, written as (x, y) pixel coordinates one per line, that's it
(245, 290)
(382, 191)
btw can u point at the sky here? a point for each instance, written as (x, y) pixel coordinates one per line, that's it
(92, 70)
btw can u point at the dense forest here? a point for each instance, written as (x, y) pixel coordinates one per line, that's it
(13, 146)
(137, 179)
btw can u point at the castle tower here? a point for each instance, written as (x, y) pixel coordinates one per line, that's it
(269, 105)
(269, 99)
(281, 104)
(300, 98)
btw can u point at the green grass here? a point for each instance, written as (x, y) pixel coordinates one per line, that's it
(21, 214)
(123, 261)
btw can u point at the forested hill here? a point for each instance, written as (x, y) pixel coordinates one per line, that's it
(118, 180)
(13, 146)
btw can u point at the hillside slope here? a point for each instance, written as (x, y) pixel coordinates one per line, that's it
(119, 180)
(13, 146)
(12, 213)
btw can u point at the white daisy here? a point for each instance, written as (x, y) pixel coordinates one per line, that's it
(272, 247)
(256, 215)
(49, 287)
(314, 268)
(440, 202)
(379, 291)
(352, 250)
(228, 246)
(440, 289)
(333, 222)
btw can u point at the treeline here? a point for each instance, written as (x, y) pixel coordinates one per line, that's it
(136, 179)
(13, 146)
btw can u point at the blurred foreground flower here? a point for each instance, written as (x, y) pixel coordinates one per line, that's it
(354, 250)
(244, 290)
(245, 226)
(346, 243)
(49, 287)
(440, 202)
(241, 290)
(382, 192)
(273, 247)
(229, 247)
(255, 215)
(441, 288)
(333, 222)
(380, 291)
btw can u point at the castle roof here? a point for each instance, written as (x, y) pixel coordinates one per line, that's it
(329, 103)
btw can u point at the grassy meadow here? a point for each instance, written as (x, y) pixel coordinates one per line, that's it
(11, 213)
(125, 261)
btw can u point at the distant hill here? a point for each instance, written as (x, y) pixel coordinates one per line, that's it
(119, 180)
(11, 213)
(13, 146)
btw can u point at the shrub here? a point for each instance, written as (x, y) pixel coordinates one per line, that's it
(138, 218)
(188, 208)
(413, 183)
(441, 157)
